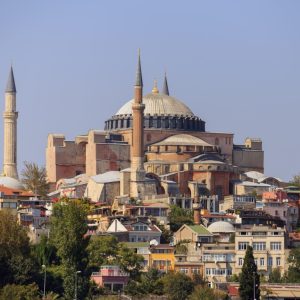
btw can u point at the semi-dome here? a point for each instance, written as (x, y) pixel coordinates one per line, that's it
(221, 227)
(11, 183)
(183, 139)
(158, 104)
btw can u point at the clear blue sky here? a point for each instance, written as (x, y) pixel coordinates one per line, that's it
(236, 64)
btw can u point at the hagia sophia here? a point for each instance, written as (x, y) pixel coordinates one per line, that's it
(154, 147)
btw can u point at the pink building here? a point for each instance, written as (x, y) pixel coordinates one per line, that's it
(110, 277)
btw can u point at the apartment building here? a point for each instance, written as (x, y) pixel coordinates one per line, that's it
(268, 247)
(218, 262)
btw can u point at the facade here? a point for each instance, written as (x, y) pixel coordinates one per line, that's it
(238, 202)
(110, 277)
(277, 204)
(162, 257)
(11, 198)
(196, 234)
(268, 247)
(136, 231)
(250, 156)
(218, 262)
(248, 188)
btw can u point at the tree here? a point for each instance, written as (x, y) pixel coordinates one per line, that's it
(182, 247)
(68, 229)
(166, 235)
(16, 263)
(20, 292)
(35, 178)
(293, 273)
(44, 252)
(275, 276)
(177, 286)
(296, 180)
(151, 283)
(234, 278)
(179, 216)
(107, 250)
(249, 278)
(129, 261)
(203, 292)
(102, 250)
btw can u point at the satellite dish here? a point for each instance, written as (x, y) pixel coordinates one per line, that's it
(153, 243)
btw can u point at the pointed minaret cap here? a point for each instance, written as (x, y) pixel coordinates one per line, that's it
(139, 79)
(11, 86)
(155, 89)
(165, 86)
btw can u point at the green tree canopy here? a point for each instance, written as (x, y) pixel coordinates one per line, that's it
(275, 276)
(296, 180)
(20, 292)
(177, 286)
(293, 273)
(102, 250)
(179, 216)
(68, 235)
(107, 250)
(204, 292)
(44, 251)
(16, 263)
(35, 178)
(248, 276)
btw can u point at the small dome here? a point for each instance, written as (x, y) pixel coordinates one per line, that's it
(11, 183)
(158, 104)
(221, 227)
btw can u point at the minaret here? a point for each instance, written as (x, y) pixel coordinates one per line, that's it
(165, 89)
(137, 176)
(10, 116)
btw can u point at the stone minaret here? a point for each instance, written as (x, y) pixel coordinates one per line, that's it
(10, 116)
(137, 176)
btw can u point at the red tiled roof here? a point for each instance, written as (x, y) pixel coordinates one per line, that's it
(15, 192)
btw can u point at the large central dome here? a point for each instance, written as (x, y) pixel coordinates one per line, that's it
(162, 112)
(158, 104)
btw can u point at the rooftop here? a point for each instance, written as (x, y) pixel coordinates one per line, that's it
(200, 229)
(158, 104)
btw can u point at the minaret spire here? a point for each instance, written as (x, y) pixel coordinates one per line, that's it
(11, 86)
(139, 78)
(10, 117)
(165, 89)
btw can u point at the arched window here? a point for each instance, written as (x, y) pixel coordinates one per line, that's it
(151, 122)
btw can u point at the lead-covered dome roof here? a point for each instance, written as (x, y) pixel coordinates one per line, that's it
(158, 104)
(221, 227)
(162, 112)
(11, 183)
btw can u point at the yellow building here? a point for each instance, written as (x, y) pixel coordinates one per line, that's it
(159, 256)
(162, 257)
